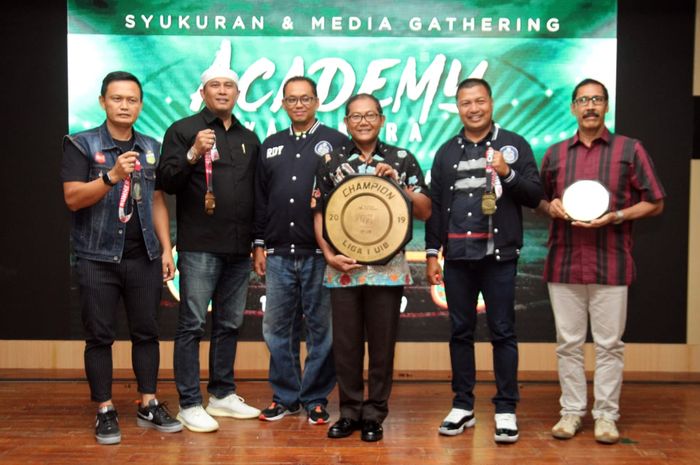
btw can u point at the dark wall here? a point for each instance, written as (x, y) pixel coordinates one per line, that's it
(34, 270)
(654, 104)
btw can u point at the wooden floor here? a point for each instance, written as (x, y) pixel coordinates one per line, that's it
(50, 422)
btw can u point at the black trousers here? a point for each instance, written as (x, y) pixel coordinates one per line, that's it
(496, 280)
(358, 311)
(139, 282)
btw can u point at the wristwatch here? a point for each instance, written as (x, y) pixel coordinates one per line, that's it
(619, 217)
(107, 180)
(192, 157)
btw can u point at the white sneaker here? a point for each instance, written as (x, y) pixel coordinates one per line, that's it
(606, 431)
(231, 406)
(197, 420)
(567, 426)
(506, 428)
(456, 422)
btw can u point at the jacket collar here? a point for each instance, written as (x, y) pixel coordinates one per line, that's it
(491, 135)
(107, 141)
(310, 131)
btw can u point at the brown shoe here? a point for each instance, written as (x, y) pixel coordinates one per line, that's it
(606, 431)
(567, 427)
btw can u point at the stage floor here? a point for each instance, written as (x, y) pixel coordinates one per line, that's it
(51, 422)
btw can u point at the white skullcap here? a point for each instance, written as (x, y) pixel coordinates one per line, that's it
(218, 72)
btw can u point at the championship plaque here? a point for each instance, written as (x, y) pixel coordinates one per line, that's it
(585, 200)
(368, 218)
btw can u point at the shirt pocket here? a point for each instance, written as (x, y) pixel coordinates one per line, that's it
(241, 157)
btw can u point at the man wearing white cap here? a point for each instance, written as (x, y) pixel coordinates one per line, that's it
(208, 162)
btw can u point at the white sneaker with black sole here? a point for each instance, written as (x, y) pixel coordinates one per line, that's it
(506, 428)
(456, 422)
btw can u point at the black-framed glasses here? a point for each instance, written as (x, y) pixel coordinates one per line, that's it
(370, 117)
(596, 100)
(305, 100)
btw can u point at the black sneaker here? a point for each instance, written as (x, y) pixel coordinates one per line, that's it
(156, 416)
(107, 426)
(318, 415)
(277, 411)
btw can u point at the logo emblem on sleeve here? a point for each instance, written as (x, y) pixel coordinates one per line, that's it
(510, 154)
(323, 148)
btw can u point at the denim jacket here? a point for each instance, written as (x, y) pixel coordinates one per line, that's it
(97, 233)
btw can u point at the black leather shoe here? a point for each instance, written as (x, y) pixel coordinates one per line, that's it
(343, 428)
(372, 431)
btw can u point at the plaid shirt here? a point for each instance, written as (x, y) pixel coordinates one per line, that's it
(600, 255)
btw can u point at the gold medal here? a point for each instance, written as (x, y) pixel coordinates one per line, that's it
(488, 203)
(209, 203)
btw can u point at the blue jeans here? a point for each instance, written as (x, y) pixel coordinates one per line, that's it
(496, 280)
(294, 289)
(224, 280)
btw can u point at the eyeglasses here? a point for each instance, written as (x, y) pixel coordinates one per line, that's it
(596, 100)
(305, 100)
(369, 117)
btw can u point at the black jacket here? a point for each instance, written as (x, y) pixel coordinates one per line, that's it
(523, 189)
(284, 180)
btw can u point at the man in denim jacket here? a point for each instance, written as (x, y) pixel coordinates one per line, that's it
(119, 224)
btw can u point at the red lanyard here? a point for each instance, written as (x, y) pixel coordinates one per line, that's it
(490, 172)
(488, 198)
(208, 171)
(126, 189)
(209, 197)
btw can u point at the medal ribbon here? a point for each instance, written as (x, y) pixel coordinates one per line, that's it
(126, 189)
(209, 197)
(208, 170)
(490, 172)
(488, 199)
(123, 217)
